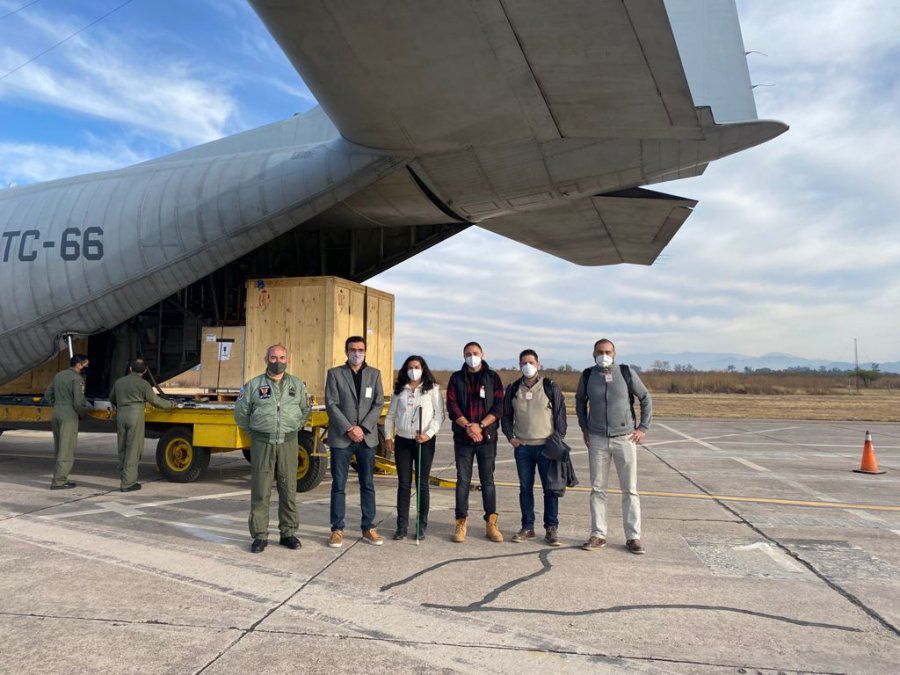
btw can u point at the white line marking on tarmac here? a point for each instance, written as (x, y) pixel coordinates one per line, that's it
(780, 558)
(121, 509)
(747, 462)
(88, 512)
(690, 438)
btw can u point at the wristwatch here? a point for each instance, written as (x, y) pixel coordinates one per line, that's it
(481, 425)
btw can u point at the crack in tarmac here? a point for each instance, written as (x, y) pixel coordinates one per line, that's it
(847, 595)
(544, 557)
(272, 610)
(390, 640)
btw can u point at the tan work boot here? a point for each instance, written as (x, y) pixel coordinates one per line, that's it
(337, 539)
(460, 535)
(372, 537)
(492, 531)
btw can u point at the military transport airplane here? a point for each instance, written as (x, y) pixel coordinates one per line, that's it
(534, 119)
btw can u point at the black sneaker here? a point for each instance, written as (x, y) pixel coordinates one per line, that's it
(399, 534)
(131, 488)
(65, 486)
(258, 545)
(290, 542)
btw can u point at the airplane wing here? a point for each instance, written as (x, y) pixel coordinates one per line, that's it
(431, 75)
(629, 226)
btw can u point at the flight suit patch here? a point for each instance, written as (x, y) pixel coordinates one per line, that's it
(292, 391)
(265, 391)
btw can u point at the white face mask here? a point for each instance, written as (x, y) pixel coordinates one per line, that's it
(473, 360)
(414, 374)
(604, 360)
(529, 370)
(356, 358)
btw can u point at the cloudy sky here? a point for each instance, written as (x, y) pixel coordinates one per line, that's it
(794, 247)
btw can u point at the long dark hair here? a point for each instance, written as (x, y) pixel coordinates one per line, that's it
(403, 378)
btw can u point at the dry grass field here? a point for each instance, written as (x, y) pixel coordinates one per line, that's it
(777, 395)
(732, 395)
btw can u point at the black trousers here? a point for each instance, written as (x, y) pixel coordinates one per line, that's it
(406, 455)
(465, 456)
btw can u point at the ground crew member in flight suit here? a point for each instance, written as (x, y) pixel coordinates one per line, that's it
(272, 408)
(66, 395)
(130, 394)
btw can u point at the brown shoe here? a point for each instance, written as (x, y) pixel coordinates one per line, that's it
(337, 539)
(372, 537)
(594, 544)
(461, 527)
(634, 546)
(492, 531)
(523, 535)
(551, 537)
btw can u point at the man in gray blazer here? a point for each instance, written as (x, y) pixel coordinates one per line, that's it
(353, 401)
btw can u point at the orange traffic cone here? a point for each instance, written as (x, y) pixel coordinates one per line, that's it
(869, 463)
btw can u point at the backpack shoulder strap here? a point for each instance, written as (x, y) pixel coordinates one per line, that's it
(626, 373)
(548, 389)
(585, 377)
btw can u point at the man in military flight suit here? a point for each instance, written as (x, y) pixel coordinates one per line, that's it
(66, 395)
(130, 394)
(272, 408)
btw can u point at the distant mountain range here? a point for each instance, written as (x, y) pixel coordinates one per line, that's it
(698, 360)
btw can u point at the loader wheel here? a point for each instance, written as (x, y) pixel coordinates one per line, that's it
(310, 470)
(177, 458)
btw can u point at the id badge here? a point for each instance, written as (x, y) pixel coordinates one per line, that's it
(608, 377)
(481, 392)
(529, 395)
(368, 392)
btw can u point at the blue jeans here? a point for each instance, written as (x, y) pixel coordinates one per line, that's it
(340, 467)
(527, 458)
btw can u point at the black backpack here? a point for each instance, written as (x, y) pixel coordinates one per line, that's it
(546, 382)
(626, 373)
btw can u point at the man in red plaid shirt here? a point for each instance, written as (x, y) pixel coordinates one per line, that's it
(475, 404)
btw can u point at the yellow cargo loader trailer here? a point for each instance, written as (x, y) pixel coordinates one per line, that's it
(191, 434)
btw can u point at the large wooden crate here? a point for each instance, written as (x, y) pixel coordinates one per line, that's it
(222, 358)
(311, 317)
(37, 380)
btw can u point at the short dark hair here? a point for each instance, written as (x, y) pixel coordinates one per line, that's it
(77, 358)
(472, 344)
(528, 352)
(613, 344)
(354, 338)
(138, 366)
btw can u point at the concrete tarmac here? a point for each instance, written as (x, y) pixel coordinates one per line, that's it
(765, 552)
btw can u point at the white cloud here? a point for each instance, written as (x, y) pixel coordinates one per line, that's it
(794, 247)
(104, 75)
(22, 163)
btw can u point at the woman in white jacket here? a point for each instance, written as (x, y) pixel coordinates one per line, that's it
(415, 393)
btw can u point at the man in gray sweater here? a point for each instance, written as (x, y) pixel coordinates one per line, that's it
(604, 403)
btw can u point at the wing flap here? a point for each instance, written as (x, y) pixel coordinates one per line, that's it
(629, 226)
